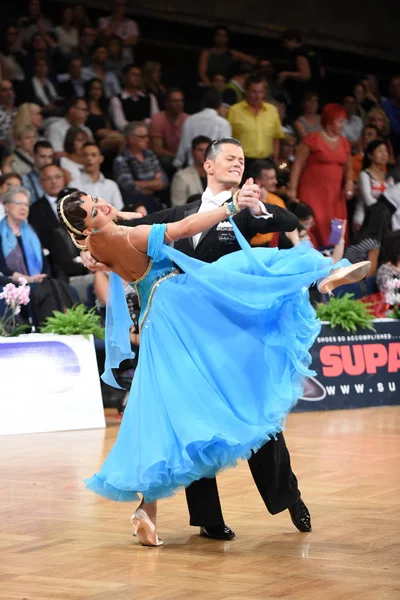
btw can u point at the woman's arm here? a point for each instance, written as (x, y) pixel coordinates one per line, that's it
(373, 256)
(364, 189)
(300, 129)
(302, 154)
(241, 56)
(348, 177)
(100, 283)
(203, 65)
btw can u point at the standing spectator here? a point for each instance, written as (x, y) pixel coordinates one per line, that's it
(120, 25)
(166, 128)
(255, 123)
(309, 120)
(72, 83)
(7, 114)
(74, 141)
(40, 89)
(321, 175)
(35, 22)
(353, 125)
(391, 106)
(21, 160)
(373, 180)
(137, 170)
(306, 73)
(76, 115)
(92, 180)
(98, 121)
(12, 55)
(234, 89)
(67, 33)
(6, 183)
(116, 62)
(152, 82)
(192, 180)
(132, 104)
(87, 40)
(220, 58)
(206, 122)
(98, 70)
(42, 156)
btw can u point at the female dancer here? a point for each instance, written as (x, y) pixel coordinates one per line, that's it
(224, 348)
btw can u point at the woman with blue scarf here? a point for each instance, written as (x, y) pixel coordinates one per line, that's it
(21, 253)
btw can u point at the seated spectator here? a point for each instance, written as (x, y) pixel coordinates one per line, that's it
(373, 181)
(98, 121)
(206, 122)
(40, 89)
(67, 33)
(370, 134)
(28, 113)
(255, 123)
(378, 118)
(80, 17)
(91, 179)
(87, 39)
(218, 82)
(390, 269)
(12, 55)
(234, 89)
(373, 96)
(7, 114)
(72, 83)
(116, 62)
(220, 58)
(391, 106)
(6, 183)
(264, 174)
(287, 127)
(40, 46)
(119, 24)
(35, 21)
(42, 156)
(137, 170)
(97, 70)
(309, 120)
(74, 141)
(132, 104)
(21, 160)
(166, 128)
(353, 125)
(192, 180)
(76, 114)
(21, 253)
(285, 160)
(360, 95)
(152, 82)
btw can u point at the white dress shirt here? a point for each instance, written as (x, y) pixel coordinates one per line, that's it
(52, 200)
(206, 122)
(211, 202)
(117, 112)
(55, 133)
(103, 188)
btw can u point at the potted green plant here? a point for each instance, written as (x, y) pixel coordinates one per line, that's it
(347, 313)
(77, 320)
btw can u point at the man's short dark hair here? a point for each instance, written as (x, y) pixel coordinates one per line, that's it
(127, 68)
(173, 90)
(241, 68)
(200, 139)
(71, 102)
(259, 166)
(292, 34)
(87, 144)
(213, 149)
(7, 176)
(42, 144)
(301, 210)
(254, 79)
(211, 99)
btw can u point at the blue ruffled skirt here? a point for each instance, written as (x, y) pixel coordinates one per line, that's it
(223, 352)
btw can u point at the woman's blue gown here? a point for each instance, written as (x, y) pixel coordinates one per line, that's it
(224, 348)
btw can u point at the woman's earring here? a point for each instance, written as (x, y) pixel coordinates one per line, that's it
(95, 230)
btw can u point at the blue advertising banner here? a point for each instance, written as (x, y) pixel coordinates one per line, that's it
(354, 370)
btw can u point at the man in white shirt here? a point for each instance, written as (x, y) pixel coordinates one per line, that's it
(353, 125)
(76, 116)
(206, 122)
(91, 179)
(192, 180)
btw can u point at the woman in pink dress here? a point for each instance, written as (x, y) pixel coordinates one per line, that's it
(322, 172)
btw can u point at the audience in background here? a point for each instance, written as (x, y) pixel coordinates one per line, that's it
(12, 55)
(28, 114)
(285, 161)
(370, 134)
(353, 125)
(40, 89)
(35, 22)
(21, 160)
(97, 69)
(360, 95)
(74, 141)
(98, 121)
(309, 121)
(6, 183)
(8, 112)
(43, 155)
(122, 26)
(234, 89)
(391, 106)
(137, 170)
(76, 114)
(72, 83)
(390, 269)
(152, 82)
(206, 122)
(379, 119)
(87, 40)
(67, 33)
(132, 104)
(116, 61)
(193, 179)
(218, 82)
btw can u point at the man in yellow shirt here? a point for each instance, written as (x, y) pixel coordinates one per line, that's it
(255, 123)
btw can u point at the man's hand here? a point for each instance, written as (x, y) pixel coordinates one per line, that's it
(91, 263)
(249, 197)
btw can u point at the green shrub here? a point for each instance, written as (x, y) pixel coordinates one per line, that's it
(347, 313)
(75, 321)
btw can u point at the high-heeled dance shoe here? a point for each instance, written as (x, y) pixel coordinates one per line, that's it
(145, 529)
(343, 275)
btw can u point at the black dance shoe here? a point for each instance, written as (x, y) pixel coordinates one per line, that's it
(219, 532)
(300, 516)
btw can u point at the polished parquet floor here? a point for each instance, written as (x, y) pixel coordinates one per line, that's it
(60, 542)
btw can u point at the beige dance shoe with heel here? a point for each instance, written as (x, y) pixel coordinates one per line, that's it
(145, 529)
(344, 275)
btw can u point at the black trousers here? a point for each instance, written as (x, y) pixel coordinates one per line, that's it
(274, 478)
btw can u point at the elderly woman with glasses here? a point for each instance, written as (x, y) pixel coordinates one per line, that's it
(21, 253)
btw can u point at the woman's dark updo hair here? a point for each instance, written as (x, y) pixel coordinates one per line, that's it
(370, 149)
(73, 211)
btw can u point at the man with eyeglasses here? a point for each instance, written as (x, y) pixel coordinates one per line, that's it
(137, 170)
(76, 114)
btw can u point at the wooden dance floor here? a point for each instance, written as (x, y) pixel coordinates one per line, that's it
(60, 542)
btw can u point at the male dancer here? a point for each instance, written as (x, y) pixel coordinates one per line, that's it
(270, 466)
